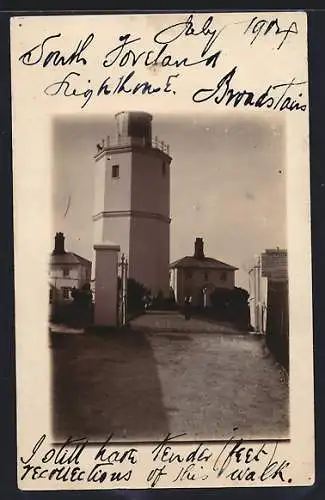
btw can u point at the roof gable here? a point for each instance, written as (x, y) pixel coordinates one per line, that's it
(205, 263)
(82, 260)
(69, 258)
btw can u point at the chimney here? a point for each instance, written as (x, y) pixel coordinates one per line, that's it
(59, 244)
(198, 249)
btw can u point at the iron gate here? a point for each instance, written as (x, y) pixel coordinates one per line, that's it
(122, 306)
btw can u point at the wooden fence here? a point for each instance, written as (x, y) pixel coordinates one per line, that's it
(277, 326)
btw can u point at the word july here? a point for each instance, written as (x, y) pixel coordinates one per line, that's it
(256, 28)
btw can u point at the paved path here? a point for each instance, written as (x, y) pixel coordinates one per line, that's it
(55, 328)
(168, 375)
(212, 378)
(155, 321)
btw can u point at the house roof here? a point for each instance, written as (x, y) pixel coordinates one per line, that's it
(69, 258)
(204, 263)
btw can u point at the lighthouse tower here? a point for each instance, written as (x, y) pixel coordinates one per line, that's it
(132, 198)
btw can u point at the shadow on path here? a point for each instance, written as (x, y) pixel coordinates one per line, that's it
(106, 383)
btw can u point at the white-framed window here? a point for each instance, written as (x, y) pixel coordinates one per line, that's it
(65, 292)
(66, 272)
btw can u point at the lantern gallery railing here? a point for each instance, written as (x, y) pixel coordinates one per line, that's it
(133, 141)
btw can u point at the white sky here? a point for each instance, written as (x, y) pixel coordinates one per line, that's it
(227, 183)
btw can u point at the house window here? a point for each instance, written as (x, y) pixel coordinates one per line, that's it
(223, 276)
(51, 295)
(66, 271)
(115, 171)
(188, 274)
(65, 292)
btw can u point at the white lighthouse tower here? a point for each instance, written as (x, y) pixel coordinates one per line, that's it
(132, 198)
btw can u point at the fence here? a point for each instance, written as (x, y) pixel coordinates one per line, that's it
(277, 326)
(154, 143)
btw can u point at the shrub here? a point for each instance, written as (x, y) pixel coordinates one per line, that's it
(136, 295)
(231, 305)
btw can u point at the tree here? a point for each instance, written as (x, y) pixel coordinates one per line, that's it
(82, 296)
(136, 295)
(81, 307)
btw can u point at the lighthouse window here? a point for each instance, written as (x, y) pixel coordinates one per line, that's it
(115, 171)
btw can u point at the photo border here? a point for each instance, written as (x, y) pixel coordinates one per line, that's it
(316, 40)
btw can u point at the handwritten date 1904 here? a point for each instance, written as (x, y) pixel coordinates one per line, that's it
(256, 28)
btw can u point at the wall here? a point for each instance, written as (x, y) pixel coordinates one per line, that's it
(258, 303)
(106, 287)
(149, 254)
(112, 195)
(85, 274)
(59, 281)
(100, 167)
(117, 230)
(277, 326)
(57, 272)
(149, 261)
(192, 286)
(78, 275)
(150, 185)
(142, 188)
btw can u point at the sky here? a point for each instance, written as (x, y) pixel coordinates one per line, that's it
(227, 183)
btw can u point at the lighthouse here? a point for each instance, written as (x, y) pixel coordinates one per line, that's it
(132, 198)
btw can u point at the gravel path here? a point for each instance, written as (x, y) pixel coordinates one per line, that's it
(167, 375)
(211, 383)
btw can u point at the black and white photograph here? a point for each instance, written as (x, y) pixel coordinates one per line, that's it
(168, 282)
(163, 292)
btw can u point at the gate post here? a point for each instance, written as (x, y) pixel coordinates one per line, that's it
(106, 273)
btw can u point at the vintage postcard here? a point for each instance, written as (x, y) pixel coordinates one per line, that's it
(162, 251)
